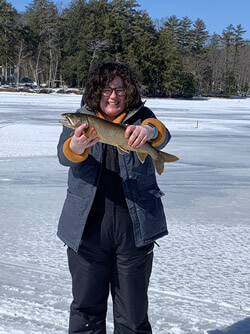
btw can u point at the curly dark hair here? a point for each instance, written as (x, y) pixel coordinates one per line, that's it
(101, 74)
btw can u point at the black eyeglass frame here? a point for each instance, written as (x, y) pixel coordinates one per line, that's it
(119, 91)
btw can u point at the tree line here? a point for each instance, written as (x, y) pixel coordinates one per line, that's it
(173, 56)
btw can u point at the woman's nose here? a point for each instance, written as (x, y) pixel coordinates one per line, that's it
(113, 94)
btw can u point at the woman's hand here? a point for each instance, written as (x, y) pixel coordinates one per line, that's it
(80, 141)
(138, 135)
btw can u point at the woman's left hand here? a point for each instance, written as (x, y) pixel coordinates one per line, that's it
(138, 135)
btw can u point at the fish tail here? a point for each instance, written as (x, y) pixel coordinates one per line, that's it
(159, 166)
(163, 157)
(166, 157)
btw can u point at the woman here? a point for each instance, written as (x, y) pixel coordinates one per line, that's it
(113, 212)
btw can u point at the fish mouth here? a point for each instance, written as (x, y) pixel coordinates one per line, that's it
(67, 120)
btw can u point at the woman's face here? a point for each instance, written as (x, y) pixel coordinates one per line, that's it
(112, 102)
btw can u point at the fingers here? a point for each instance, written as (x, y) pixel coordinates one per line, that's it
(80, 141)
(129, 130)
(83, 135)
(93, 142)
(139, 141)
(79, 131)
(137, 135)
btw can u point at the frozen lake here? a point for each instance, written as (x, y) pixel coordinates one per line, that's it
(201, 276)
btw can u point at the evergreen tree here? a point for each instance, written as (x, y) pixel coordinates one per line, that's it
(113, 30)
(92, 43)
(44, 25)
(199, 37)
(8, 36)
(198, 55)
(175, 41)
(142, 51)
(84, 38)
(232, 41)
(238, 44)
(228, 41)
(171, 58)
(184, 35)
(73, 21)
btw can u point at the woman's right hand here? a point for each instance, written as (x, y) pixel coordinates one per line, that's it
(80, 141)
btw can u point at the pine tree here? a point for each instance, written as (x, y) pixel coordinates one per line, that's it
(44, 24)
(198, 55)
(239, 43)
(176, 41)
(184, 35)
(233, 42)
(84, 38)
(8, 16)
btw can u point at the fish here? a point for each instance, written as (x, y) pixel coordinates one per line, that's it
(114, 134)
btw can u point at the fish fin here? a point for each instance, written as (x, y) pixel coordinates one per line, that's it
(163, 157)
(159, 166)
(141, 156)
(121, 150)
(166, 157)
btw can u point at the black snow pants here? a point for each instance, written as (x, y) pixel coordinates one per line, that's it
(108, 261)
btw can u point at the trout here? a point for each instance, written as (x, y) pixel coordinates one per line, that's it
(114, 134)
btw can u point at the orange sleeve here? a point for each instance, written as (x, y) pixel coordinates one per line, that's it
(73, 156)
(161, 130)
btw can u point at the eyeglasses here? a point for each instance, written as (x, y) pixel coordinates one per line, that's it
(120, 91)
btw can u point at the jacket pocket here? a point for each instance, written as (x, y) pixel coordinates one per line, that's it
(151, 213)
(150, 192)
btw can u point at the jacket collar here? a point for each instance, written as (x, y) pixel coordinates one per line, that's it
(133, 112)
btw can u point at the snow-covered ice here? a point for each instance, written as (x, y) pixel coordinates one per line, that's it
(201, 276)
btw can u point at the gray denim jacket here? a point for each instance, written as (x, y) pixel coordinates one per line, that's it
(142, 193)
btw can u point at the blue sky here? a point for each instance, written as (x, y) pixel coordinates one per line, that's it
(217, 14)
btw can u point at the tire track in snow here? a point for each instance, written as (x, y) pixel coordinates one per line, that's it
(26, 312)
(41, 270)
(172, 295)
(33, 301)
(175, 295)
(31, 311)
(10, 124)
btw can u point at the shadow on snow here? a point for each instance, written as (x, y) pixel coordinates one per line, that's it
(240, 327)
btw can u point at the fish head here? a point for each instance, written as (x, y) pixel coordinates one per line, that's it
(74, 120)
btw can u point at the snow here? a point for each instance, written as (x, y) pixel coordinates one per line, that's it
(200, 281)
